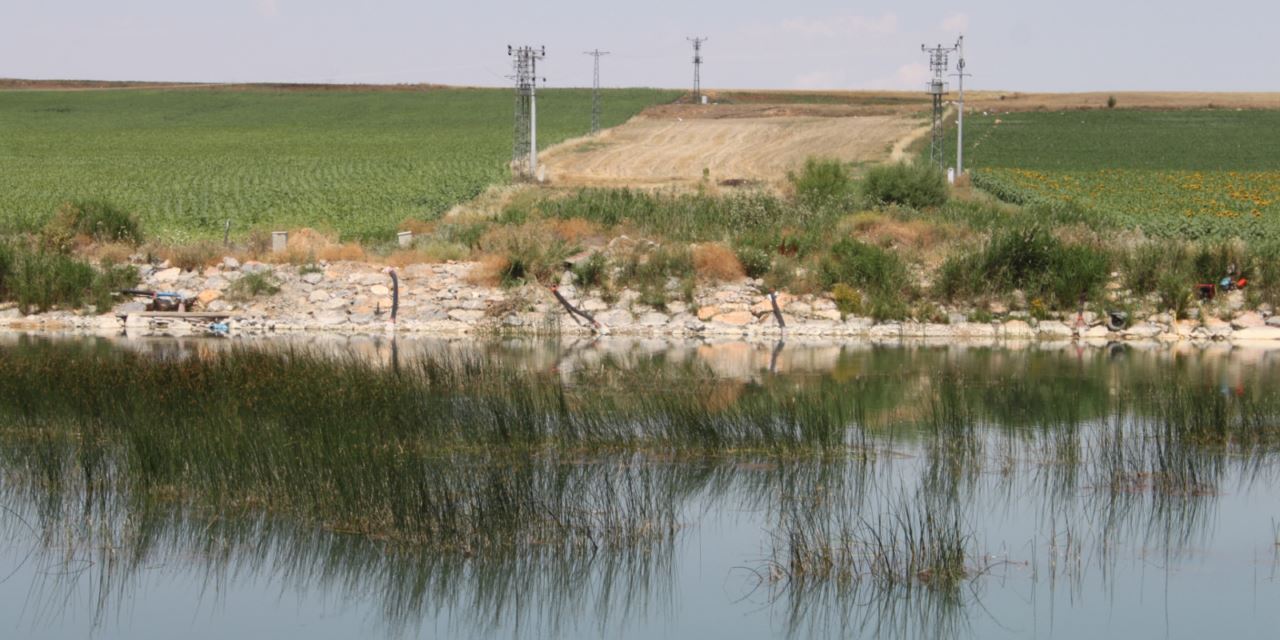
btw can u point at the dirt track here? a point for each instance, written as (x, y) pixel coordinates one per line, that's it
(666, 148)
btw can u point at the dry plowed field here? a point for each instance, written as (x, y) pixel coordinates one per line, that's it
(670, 146)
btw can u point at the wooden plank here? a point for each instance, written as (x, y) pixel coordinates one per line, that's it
(190, 315)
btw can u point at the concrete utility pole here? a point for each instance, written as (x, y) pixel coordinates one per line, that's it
(697, 68)
(595, 90)
(938, 58)
(524, 150)
(960, 118)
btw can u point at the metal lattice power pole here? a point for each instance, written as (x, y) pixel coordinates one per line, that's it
(697, 68)
(938, 58)
(960, 117)
(595, 90)
(524, 148)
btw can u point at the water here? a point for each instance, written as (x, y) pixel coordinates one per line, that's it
(1062, 537)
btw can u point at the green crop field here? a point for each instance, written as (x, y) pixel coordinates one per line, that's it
(1207, 173)
(357, 162)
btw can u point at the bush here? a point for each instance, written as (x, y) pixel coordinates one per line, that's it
(1031, 260)
(592, 272)
(848, 300)
(252, 285)
(755, 262)
(917, 185)
(1111, 102)
(716, 262)
(864, 266)
(95, 219)
(822, 182)
(38, 279)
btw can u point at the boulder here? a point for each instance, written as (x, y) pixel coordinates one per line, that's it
(207, 296)
(708, 312)
(466, 315)
(314, 277)
(1257, 333)
(654, 319)
(231, 264)
(318, 296)
(379, 290)
(1248, 320)
(1017, 329)
(167, 275)
(1145, 331)
(734, 318)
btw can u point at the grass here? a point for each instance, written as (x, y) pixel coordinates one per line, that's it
(186, 161)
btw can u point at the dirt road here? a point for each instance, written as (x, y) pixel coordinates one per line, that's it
(666, 147)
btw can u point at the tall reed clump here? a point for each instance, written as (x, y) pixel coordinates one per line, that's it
(911, 542)
(1029, 259)
(453, 454)
(38, 279)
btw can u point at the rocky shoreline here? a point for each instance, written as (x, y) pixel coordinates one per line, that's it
(440, 299)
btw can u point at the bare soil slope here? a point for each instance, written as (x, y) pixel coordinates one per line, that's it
(673, 145)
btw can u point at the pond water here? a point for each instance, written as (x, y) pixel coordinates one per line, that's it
(338, 488)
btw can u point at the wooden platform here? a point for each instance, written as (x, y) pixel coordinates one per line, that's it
(179, 315)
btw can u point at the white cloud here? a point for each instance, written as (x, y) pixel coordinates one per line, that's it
(846, 25)
(268, 8)
(956, 22)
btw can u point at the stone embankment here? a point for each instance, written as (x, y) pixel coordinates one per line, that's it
(353, 298)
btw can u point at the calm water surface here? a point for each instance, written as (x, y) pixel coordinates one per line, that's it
(1063, 538)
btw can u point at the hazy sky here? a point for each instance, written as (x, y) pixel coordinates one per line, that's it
(1030, 45)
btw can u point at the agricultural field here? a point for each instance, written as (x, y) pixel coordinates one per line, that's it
(1191, 173)
(355, 162)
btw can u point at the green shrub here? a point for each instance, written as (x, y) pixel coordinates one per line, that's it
(252, 285)
(96, 219)
(539, 259)
(591, 272)
(862, 265)
(755, 262)
(917, 185)
(822, 182)
(848, 300)
(1175, 294)
(885, 305)
(1029, 259)
(38, 280)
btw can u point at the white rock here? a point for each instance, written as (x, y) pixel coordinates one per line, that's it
(167, 275)
(1257, 333)
(466, 315)
(317, 296)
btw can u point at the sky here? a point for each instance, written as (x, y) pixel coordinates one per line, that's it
(1082, 45)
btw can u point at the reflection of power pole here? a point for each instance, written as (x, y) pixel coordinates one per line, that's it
(524, 149)
(938, 89)
(960, 118)
(697, 68)
(595, 90)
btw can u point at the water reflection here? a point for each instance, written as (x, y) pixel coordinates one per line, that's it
(869, 490)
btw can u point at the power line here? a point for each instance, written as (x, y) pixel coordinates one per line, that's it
(595, 90)
(938, 59)
(697, 68)
(524, 149)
